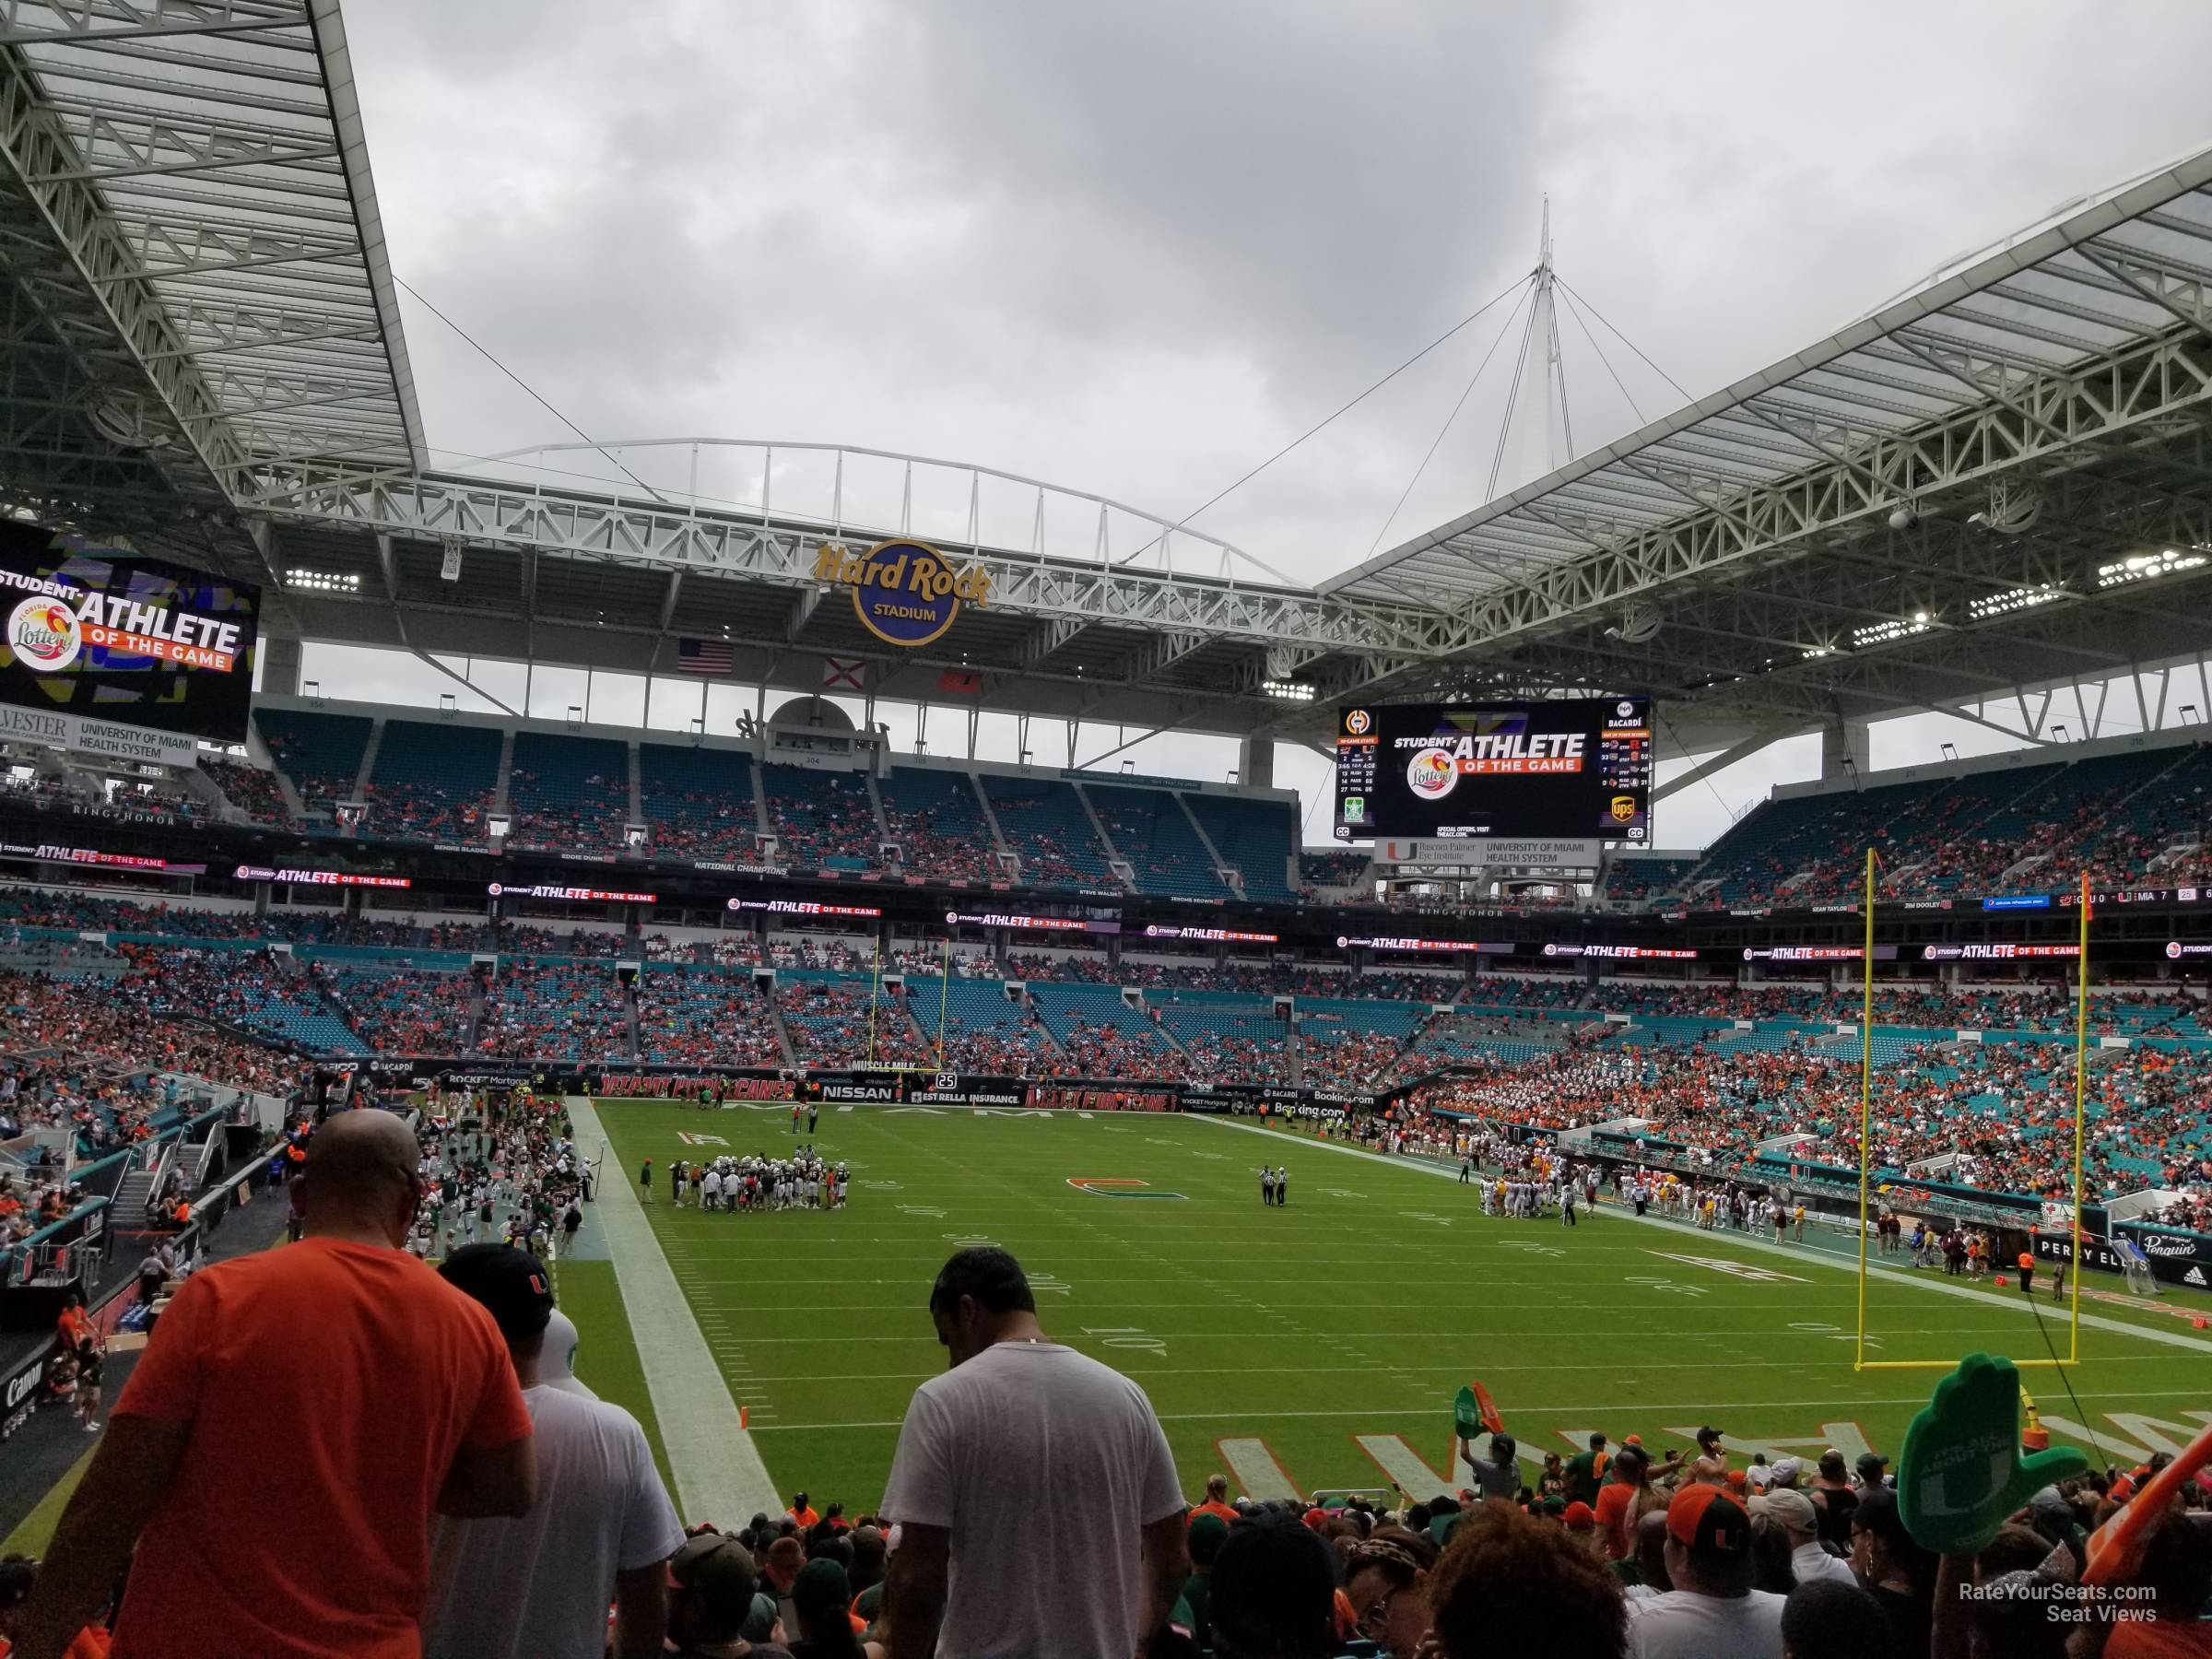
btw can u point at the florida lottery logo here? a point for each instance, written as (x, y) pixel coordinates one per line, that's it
(905, 593)
(45, 634)
(1431, 774)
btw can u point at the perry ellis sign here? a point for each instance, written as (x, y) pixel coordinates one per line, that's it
(905, 593)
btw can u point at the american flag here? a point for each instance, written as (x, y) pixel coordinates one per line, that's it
(704, 657)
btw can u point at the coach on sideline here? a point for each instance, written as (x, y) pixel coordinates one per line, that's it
(278, 1452)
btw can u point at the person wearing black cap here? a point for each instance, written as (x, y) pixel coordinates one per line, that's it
(537, 1586)
(1713, 1608)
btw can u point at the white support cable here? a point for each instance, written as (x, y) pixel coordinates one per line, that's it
(1581, 299)
(1466, 392)
(1512, 399)
(535, 397)
(1575, 312)
(1311, 430)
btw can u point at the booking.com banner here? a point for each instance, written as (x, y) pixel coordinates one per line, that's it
(94, 635)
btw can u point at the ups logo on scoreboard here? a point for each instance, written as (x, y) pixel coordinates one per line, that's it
(1624, 808)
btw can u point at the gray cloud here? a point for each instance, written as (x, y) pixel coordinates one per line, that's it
(1135, 247)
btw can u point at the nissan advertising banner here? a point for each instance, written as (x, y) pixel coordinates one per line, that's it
(112, 638)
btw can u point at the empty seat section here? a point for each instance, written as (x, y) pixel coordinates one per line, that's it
(1255, 837)
(321, 753)
(699, 802)
(934, 819)
(823, 821)
(1149, 828)
(433, 783)
(1047, 828)
(568, 792)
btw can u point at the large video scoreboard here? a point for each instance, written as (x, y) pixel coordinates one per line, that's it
(92, 634)
(1572, 770)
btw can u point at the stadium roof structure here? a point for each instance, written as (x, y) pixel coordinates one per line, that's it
(1999, 481)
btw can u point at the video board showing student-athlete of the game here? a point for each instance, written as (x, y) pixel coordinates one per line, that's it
(1574, 768)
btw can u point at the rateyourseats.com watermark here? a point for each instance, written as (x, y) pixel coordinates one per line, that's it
(2071, 1603)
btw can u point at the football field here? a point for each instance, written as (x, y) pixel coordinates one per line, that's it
(1319, 1344)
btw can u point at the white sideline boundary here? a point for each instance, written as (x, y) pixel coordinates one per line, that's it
(718, 1470)
(1616, 1212)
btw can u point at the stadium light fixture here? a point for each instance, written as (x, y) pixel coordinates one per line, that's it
(322, 582)
(1894, 629)
(1295, 691)
(1949, 750)
(2013, 599)
(2059, 732)
(2143, 567)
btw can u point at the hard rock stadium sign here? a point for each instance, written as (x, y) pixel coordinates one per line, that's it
(905, 593)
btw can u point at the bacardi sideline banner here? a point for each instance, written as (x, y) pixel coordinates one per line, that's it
(116, 639)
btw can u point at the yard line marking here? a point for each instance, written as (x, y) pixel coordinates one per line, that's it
(1614, 1410)
(1253, 1466)
(718, 1469)
(1900, 1275)
(1404, 1465)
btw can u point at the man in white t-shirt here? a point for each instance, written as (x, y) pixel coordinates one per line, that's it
(1794, 1513)
(537, 1586)
(1712, 1612)
(1034, 1492)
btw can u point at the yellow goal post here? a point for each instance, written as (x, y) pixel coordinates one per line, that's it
(2081, 1086)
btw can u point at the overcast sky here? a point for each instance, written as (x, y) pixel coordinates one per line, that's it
(1135, 248)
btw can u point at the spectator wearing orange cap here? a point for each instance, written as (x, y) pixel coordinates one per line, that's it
(1712, 1607)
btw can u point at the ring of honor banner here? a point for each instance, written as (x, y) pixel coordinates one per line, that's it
(92, 635)
(1570, 770)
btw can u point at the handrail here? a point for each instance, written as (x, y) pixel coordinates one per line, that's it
(23, 1247)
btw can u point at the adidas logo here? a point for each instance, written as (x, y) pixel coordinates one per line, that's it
(2195, 1275)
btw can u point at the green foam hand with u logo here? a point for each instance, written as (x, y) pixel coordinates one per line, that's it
(1963, 1472)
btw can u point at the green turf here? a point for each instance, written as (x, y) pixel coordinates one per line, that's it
(607, 1359)
(36, 1535)
(1357, 1310)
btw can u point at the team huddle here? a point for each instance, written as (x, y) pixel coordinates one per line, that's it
(803, 1181)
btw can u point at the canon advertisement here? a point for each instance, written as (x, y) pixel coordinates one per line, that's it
(91, 633)
(1571, 769)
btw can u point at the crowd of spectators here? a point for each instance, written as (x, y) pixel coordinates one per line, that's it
(253, 789)
(405, 1011)
(555, 1011)
(705, 1016)
(822, 820)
